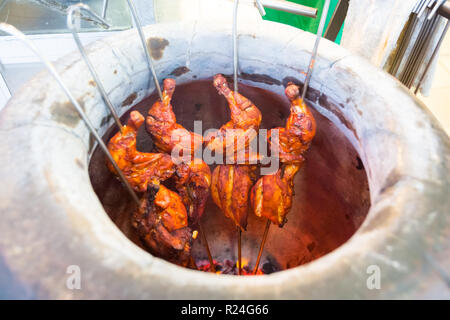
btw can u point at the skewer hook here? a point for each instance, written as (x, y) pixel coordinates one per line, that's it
(73, 28)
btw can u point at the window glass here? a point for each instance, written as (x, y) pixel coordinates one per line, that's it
(49, 16)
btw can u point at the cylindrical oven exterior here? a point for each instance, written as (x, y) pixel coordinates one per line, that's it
(52, 219)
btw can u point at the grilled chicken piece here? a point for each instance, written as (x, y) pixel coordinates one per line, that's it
(162, 224)
(230, 189)
(300, 129)
(231, 184)
(271, 196)
(162, 125)
(193, 180)
(245, 116)
(138, 167)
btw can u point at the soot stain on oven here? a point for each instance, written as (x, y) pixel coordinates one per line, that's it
(66, 113)
(261, 78)
(156, 47)
(331, 181)
(180, 71)
(129, 100)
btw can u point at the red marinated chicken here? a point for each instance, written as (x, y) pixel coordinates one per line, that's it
(162, 125)
(245, 116)
(271, 196)
(193, 180)
(231, 184)
(230, 189)
(300, 129)
(162, 224)
(138, 167)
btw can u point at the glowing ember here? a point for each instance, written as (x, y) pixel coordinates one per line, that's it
(228, 267)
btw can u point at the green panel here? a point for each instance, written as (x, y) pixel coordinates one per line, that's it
(305, 23)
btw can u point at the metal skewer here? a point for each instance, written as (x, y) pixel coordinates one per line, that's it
(70, 24)
(436, 50)
(305, 88)
(285, 6)
(411, 24)
(235, 46)
(316, 47)
(423, 7)
(422, 41)
(137, 22)
(415, 51)
(433, 19)
(438, 4)
(11, 30)
(421, 54)
(212, 267)
(104, 8)
(416, 57)
(261, 247)
(239, 250)
(260, 7)
(235, 80)
(260, 4)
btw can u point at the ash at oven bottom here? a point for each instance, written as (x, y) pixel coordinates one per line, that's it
(231, 267)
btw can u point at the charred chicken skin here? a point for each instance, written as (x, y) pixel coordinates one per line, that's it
(271, 196)
(245, 116)
(193, 180)
(138, 167)
(162, 224)
(230, 189)
(162, 125)
(300, 129)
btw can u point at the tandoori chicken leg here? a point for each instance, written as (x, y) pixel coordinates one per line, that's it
(138, 167)
(271, 196)
(237, 133)
(300, 129)
(162, 224)
(162, 125)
